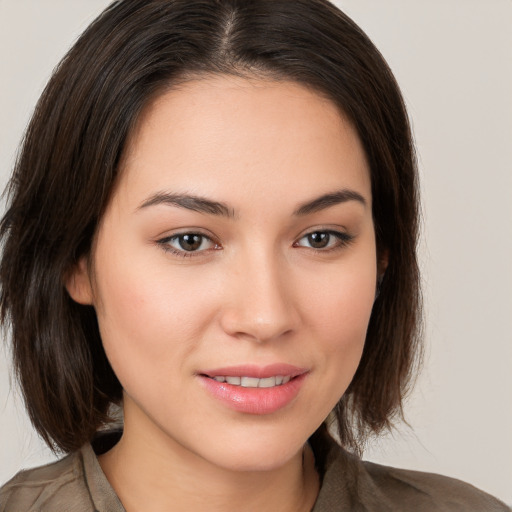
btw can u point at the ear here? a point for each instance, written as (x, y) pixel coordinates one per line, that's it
(382, 262)
(382, 265)
(78, 282)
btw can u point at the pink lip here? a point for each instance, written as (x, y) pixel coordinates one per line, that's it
(257, 401)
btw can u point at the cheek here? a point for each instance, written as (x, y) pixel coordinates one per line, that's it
(341, 325)
(339, 313)
(342, 299)
(148, 321)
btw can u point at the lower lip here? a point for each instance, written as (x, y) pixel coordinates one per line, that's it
(254, 400)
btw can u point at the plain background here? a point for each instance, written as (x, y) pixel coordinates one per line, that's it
(453, 61)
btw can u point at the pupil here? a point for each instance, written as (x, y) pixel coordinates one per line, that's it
(318, 240)
(190, 242)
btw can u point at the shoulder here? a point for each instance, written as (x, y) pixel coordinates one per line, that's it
(352, 484)
(416, 490)
(57, 486)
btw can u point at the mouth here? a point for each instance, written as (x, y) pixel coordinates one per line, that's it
(255, 390)
(252, 376)
(253, 382)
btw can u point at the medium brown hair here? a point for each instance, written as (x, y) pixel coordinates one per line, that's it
(68, 165)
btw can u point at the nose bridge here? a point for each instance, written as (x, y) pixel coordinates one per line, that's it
(260, 305)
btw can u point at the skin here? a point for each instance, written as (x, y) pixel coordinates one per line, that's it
(258, 292)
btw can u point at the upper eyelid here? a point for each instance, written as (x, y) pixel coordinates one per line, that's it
(187, 231)
(207, 234)
(340, 232)
(164, 240)
(336, 230)
(342, 235)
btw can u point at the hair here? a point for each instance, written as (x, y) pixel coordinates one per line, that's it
(68, 164)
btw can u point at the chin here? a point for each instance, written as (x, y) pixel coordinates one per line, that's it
(256, 453)
(256, 462)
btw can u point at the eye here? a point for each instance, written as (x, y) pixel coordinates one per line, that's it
(187, 244)
(324, 240)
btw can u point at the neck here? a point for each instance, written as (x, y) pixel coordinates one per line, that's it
(181, 481)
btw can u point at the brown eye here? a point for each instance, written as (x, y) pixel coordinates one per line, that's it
(187, 244)
(190, 242)
(319, 240)
(324, 240)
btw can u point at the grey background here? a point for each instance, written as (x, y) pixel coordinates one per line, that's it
(453, 61)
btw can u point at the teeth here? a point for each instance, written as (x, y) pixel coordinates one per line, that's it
(253, 382)
(267, 383)
(249, 382)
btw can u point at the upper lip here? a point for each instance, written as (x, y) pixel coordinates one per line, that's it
(259, 372)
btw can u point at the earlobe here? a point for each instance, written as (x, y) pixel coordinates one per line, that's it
(78, 283)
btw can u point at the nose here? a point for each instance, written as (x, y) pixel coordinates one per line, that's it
(259, 303)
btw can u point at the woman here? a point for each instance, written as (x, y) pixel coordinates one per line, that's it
(213, 222)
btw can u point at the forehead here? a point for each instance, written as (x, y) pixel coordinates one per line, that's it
(219, 130)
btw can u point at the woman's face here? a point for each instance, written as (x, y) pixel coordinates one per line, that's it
(238, 250)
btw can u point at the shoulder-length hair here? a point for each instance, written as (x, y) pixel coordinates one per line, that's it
(68, 165)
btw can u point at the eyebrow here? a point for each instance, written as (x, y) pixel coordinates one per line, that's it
(328, 200)
(189, 202)
(209, 207)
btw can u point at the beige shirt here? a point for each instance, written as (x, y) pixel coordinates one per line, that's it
(77, 484)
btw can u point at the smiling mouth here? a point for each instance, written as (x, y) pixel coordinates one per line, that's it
(252, 389)
(253, 382)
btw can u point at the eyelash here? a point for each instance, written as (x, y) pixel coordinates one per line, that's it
(342, 241)
(164, 243)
